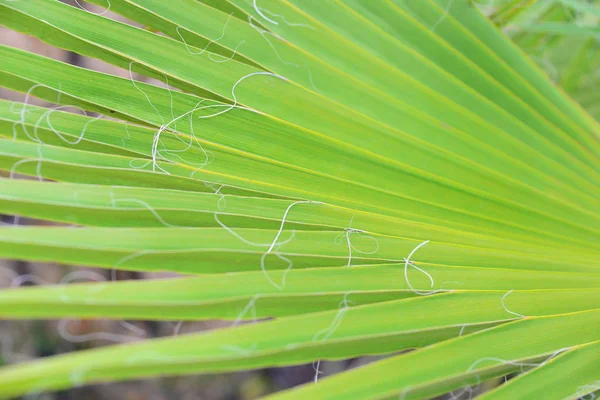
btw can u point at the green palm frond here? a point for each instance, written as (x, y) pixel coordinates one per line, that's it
(378, 176)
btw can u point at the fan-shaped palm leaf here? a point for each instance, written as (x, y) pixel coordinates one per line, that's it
(378, 175)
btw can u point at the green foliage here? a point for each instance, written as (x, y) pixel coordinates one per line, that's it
(380, 176)
(563, 38)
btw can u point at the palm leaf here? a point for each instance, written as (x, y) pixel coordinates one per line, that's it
(301, 156)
